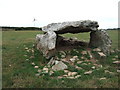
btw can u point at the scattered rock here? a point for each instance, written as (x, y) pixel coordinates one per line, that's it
(90, 54)
(118, 71)
(102, 78)
(33, 63)
(45, 69)
(33, 45)
(71, 77)
(32, 57)
(59, 66)
(113, 58)
(117, 50)
(74, 73)
(79, 62)
(101, 54)
(36, 67)
(66, 71)
(10, 65)
(116, 56)
(97, 49)
(27, 59)
(51, 62)
(64, 60)
(88, 72)
(37, 74)
(56, 62)
(65, 75)
(72, 59)
(77, 76)
(84, 52)
(26, 48)
(84, 64)
(59, 77)
(107, 71)
(69, 73)
(51, 72)
(93, 67)
(63, 56)
(99, 66)
(77, 51)
(79, 68)
(116, 62)
(83, 58)
(25, 55)
(32, 50)
(63, 52)
(112, 51)
(75, 57)
(39, 70)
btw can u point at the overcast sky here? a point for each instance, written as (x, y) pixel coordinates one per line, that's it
(23, 12)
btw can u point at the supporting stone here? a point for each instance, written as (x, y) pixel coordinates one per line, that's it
(100, 39)
(46, 42)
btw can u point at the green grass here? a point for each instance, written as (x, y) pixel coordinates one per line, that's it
(19, 73)
(86, 36)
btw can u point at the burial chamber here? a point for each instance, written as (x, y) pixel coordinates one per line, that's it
(51, 40)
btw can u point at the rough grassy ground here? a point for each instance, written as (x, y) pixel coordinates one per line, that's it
(19, 73)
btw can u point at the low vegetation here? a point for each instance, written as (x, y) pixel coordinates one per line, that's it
(20, 60)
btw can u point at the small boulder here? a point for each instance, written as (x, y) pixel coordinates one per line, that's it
(72, 59)
(36, 67)
(51, 72)
(116, 62)
(101, 54)
(59, 66)
(97, 49)
(74, 73)
(45, 69)
(104, 78)
(39, 70)
(118, 71)
(66, 71)
(88, 72)
(79, 62)
(33, 63)
(84, 52)
(77, 76)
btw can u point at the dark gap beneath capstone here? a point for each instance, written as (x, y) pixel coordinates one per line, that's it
(65, 43)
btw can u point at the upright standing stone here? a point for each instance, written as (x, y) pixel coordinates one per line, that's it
(100, 39)
(46, 42)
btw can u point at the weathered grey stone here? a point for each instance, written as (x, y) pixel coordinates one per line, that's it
(59, 66)
(101, 54)
(100, 39)
(46, 42)
(88, 72)
(50, 42)
(72, 27)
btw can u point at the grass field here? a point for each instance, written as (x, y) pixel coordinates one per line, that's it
(19, 73)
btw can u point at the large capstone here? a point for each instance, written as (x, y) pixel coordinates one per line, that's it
(72, 27)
